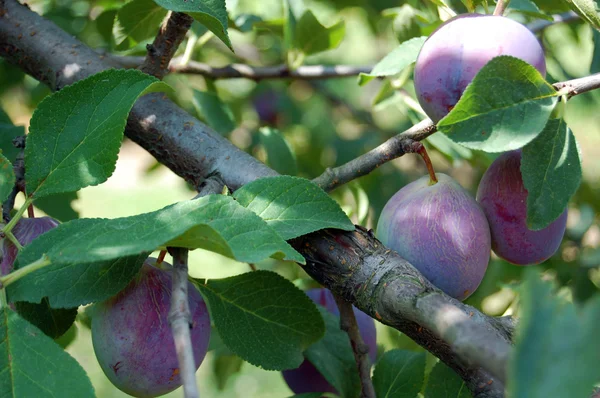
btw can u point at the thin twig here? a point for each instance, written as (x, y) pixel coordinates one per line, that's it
(364, 164)
(361, 350)
(19, 170)
(501, 6)
(579, 86)
(168, 39)
(180, 320)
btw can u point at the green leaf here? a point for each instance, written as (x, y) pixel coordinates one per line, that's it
(104, 25)
(59, 206)
(210, 13)
(263, 318)
(529, 8)
(217, 114)
(279, 153)
(448, 147)
(136, 22)
(399, 374)
(551, 170)
(293, 10)
(505, 107)
(333, 357)
(312, 37)
(75, 133)
(552, 328)
(405, 22)
(7, 178)
(225, 366)
(32, 365)
(78, 283)
(588, 10)
(292, 206)
(54, 322)
(393, 63)
(595, 64)
(85, 253)
(8, 132)
(443, 382)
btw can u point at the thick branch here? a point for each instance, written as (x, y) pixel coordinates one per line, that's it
(168, 39)
(361, 350)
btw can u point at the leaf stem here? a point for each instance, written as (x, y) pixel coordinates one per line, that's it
(8, 227)
(14, 240)
(21, 272)
(501, 7)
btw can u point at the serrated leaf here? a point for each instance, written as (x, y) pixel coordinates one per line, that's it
(292, 206)
(552, 328)
(263, 318)
(217, 114)
(443, 382)
(393, 63)
(72, 284)
(551, 170)
(137, 21)
(280, 156)
(54, 322)
(75, 133)
(210, 13)
(399, 374)
(7, 178)
(333, 357)
(59, 206)
(312, 37)
(528, 7)
(32, 365)
(588, 10)
(104, 25)
(505, 107)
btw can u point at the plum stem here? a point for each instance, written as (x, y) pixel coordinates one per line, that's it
(420, 149)
(180, 321)
(349, 325)
(501, 7)
(30, 211)
(161, 256)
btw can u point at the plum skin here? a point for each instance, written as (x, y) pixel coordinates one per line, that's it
(306, 378)
(25, 230)
(503, 198)
(454, 53)
(132, 338)
(441, 230)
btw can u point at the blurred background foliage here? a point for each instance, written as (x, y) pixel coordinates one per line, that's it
(303, 127)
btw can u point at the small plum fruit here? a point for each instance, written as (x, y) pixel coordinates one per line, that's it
(441, 230)
(132, 338)
(306, 378)
(503, 198)
(25, 230)
(459, 48)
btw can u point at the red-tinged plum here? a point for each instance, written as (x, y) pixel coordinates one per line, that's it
(306, 378)
(503, 198)
(25, 230)
(441, 230)
(132, 338)
(459, 48)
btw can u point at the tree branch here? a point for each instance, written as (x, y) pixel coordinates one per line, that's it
(180, 319)
(349, 325)
(168, 39)
(579, 86)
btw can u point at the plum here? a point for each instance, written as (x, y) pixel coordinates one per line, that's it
(441, 230)
(459, 48)
(306, 378)
(503, 198)
(25, 230)
(132, 338)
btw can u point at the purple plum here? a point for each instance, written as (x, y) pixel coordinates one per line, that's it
(459, 48)
(306, 378)
(132, 338)
(503, 198)
(25, 230)
(441, 230)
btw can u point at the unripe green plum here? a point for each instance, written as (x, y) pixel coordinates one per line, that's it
(132, 337)
(306, 378)
(441, 230)
(503, 198)
(459, 48)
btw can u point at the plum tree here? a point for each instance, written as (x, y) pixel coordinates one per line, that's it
(132, 338)
(441, 230)
(25, 230)
(459, 48)
(306, 378)
(503, 198)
